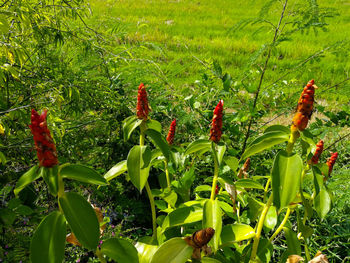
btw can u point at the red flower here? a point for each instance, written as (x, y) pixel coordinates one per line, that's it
(216, 125)
(45, 147)
(142, 108)
(216, 189)
(317, 154)
(304, 108)
(331, 162)
(171, 133)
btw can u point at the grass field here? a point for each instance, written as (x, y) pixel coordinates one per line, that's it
(187, 32)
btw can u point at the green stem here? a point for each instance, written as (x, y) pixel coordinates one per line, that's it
(307, 252)
(266, 188)
(100, 256)
(167, 173)
(294, 135)
(216, 172)
(153, 209)
(279, 229)
(259, 228)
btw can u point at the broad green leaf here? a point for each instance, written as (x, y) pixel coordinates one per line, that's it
(235, 233)
(209, 260)
(160, 142)
(50, 176)
(286, 176)
(81, 218)
(212, 218)
(31, 175)
(255, 208)
(175, 250)
(293, 242)
(203, 188)
(322, 203)
(248, 183)
(154, 125)
(116, 170)
(232, 162)
(120, 250)
(279, 128)
(265, 141)
(221, 149)
(138, 161)
(201, 145)
(7, 216)
(182, 216)
(318, 178)
(129, 125)
(2, 156)
(49, 239)
(271, 218)
(83, 174)
(145, 249)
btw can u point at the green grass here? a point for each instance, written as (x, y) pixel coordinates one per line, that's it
(186, 30)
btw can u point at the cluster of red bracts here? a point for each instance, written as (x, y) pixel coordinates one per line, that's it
(216, 125)
(45, 147)
(331, 162)
(305, 106)
(318, 152)
(171, 133)
(142, 108)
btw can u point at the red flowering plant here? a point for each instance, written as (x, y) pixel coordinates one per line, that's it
(48, 242)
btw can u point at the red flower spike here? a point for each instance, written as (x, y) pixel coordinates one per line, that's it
(304, 108)
(331, 162)
(318, 152)
(45, 147)
(171, 133)
(216, 189)
(216, 125)
(142, 108)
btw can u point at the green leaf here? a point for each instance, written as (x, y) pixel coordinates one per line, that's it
(248, 183)
(221, 149)
(255, 208)
(81, 218)
(323, 203)
(212, 218)
(175, 250)
(265, 141)
(182, 216)
(49, 239)
(318, 178)
(293, 242)
(129, 125)
(120, 250)
(232, 162)
(160, 142)
(83, 174)
(203, 188)
(201, 145)
(235, 233)
(278, 128)
(50, 176)
(31, 175)
(116, 170)
(271, 218)
(145, 249)
(7, 216)
(138, 161)
(286, 176)
(209, 260)
(2, 158)
(154, 125)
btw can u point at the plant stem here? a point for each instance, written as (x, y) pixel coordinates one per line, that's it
(307, 252)
(259, 228)
(167, 173)
(216, 172)
(100, 256)
(143, 128)
(266, 188)
(279, 229)
(153, 209)
(294, 135)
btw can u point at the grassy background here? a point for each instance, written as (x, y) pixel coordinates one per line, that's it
(188, 31)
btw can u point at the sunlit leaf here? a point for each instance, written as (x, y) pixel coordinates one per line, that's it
(31, 175)
(175, 250)
(120, 250)
(83, 174)
(116, 170)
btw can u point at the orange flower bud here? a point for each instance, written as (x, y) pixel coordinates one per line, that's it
(216, 126)
(171, 133)
(318, 152)
(142, 108)
(305, 107)
(331, 162)
(45, 147)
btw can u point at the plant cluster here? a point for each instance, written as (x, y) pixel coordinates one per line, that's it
(232, 224)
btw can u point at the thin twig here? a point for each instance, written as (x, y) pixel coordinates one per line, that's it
(262, 76)
(341, 138)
